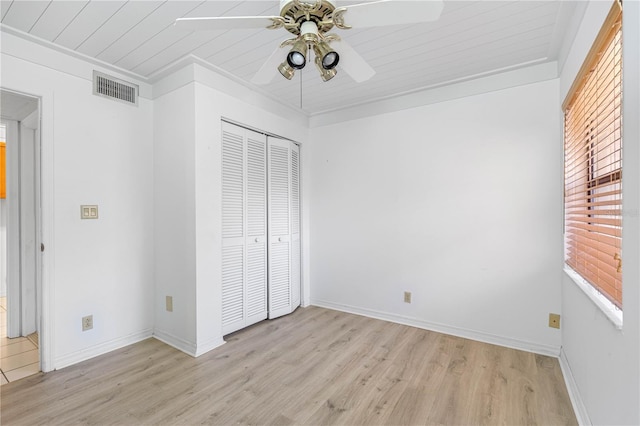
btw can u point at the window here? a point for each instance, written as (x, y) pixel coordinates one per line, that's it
(593, 164)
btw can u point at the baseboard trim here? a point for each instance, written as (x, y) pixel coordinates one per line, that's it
(574, 394)
(188, 348)
(180, 344)
(208, 346)
(101, 349)
(523, 345)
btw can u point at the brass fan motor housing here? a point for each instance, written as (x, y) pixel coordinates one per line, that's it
(298, 11)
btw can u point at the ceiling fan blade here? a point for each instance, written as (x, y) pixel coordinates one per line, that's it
(352, 63)
(269, 69)
(225, 22)
(392, 12)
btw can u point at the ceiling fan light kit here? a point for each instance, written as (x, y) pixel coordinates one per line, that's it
(311, 20)
(325, 74)
(286, 70)
(297, 57)
(310, 38)
(329, 57)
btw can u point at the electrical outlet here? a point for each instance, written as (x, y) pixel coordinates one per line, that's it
(407, 297)
(87, 322)
(554, 320)
(169, 303)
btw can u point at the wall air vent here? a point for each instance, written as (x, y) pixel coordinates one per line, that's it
(113, 88)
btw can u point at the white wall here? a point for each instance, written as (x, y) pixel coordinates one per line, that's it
(174, 217)
(95, 151)
(457, 202)
(601, 362)
(188, 111)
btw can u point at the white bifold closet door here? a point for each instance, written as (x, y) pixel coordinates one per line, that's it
(244, 228)
(260, 227)
(284, 226)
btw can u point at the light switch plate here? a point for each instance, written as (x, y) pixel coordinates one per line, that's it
(88, 212)
(169, 303)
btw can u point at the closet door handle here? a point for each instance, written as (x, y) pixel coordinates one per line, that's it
(279, 238)
(257, 240)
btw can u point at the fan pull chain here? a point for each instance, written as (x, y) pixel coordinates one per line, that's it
(300, 89)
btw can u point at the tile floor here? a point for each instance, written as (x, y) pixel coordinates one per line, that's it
(19, 357)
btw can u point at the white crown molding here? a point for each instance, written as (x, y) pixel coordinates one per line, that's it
(192, 69)
(532, 71)
(438, 85)
(499, 79)
(185, 61)
(519, 74)
(120, 72)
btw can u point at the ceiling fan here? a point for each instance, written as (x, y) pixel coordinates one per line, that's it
(310, 22)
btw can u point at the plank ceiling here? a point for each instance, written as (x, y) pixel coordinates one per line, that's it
(471, 38)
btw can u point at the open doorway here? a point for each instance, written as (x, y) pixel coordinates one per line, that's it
(20, 260)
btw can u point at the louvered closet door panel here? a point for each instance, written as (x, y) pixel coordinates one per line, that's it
(256, 185)
(279, 284)
(279, 287)
(232, 288)
(256, 283)
(256, 241)
(232, 184)
(279, 190)
(295, 226)
(233, 230)
(244, 242)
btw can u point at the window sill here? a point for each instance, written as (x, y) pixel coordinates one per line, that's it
(608, 309)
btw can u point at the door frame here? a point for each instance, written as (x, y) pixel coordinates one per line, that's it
(44, 224)
(12, 233)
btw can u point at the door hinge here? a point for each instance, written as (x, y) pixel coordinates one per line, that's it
(41, 246)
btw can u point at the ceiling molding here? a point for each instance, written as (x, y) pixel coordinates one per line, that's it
(170, 78)
(120, 72)
(155, 77)
(523, 74)
(193, 59)
(434, 86)
(174, 76)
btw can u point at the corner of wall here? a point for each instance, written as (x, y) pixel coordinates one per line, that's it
(579, 408)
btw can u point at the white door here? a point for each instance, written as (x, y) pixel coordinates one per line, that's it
(20, 215)
(256, 219)
(244, 250)
(284, 227)
(295, 226)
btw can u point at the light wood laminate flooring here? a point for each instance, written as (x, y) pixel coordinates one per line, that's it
(315, 366)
